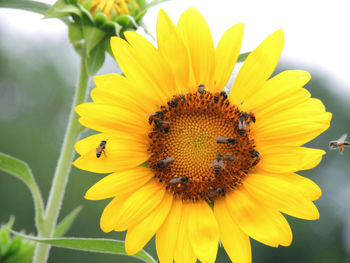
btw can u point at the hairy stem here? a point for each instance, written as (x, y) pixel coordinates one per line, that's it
(63, 167)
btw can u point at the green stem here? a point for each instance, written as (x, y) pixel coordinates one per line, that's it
(63, 167)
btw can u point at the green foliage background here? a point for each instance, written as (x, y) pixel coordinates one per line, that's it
(37, 77)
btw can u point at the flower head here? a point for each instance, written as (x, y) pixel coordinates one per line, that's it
(118, 7)
(176, 144)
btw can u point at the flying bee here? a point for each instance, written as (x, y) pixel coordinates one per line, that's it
(222, 139)
(218, 164)
(201, 88)
(241, 125)
(175, 100)
(156, 115)
(165, 162)
(212, 194)
(179, 180)
(229, 158)
(255, 154)
(163, 125)
(217, 96)
(339, 144)
(101, 149)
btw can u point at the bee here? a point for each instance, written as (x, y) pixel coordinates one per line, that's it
(156, 115)
(212, 194)
(339, 144)
(249, 116)
(217, 96)
(255, 154)
(241, 125)
(229, 158)
(101, 149)
(175, 100)
(165, 162)
(163, 125)
(201, 89)
(222, 139)
(179, 180)
(218, 164)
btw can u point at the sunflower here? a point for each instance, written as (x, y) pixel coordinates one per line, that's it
(118, 7)
(190, 163)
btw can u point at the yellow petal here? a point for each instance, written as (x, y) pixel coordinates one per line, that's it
(138, 235)
(152, 62)
(294, 126)
(129, 61)
(183, 251)
(284, 159)
(281, 92)
(280, 195)
(110, 213)
(173, 50)
(257, 68)
(139, 205)
(203, 231)
(116, 90)
(108, 118)
(196, 34)
(234, 240)
(121, 183)
(167, 235)
(226, 55)
(257, 220)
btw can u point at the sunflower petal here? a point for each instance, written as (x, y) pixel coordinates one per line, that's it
(167, 235)
(258, 220)
(110, 213)
(118, 184)
(139, 234)
(139, 205)
(234, 240)
(203, 231)
(196, 34)
(226, 55)
(280, 195)
(257, 68)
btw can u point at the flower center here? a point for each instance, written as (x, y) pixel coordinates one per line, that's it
(200, 145)
(120, 7)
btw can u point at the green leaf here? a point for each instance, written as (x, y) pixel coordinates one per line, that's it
(24, 256)
(28, 5)
(67, 222)
(243, 56)
(107, 246)
(61, 9)
(95, 61)
(93, 36)
(75, 32)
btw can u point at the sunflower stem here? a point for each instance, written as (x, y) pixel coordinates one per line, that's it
(63, 167)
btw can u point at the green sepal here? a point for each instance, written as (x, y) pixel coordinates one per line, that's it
(107, 246)
(62, 9)
(140, 15)
(75, 32)
(95, 59)
(100, 19)
(93, 36)
(243, 56)
(113, 28)
(145, 164)
(67, 222)
(28, 5)
(123, 20)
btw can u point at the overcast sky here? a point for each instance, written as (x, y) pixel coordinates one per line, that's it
(316, 31)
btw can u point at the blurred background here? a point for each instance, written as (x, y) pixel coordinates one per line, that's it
(38, 69)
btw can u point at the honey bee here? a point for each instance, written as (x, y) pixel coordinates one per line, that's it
(156, 115)
(101, 149)
(165, 162)
(222, 139)
(229, 158)
(339, 144)
(179, 180)
(217, 96)
(212, 194)
(241, 125)
(201, 89)
(175, 100)
(218, 164)
(255, 154)
(163, 125)
(249, 116)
